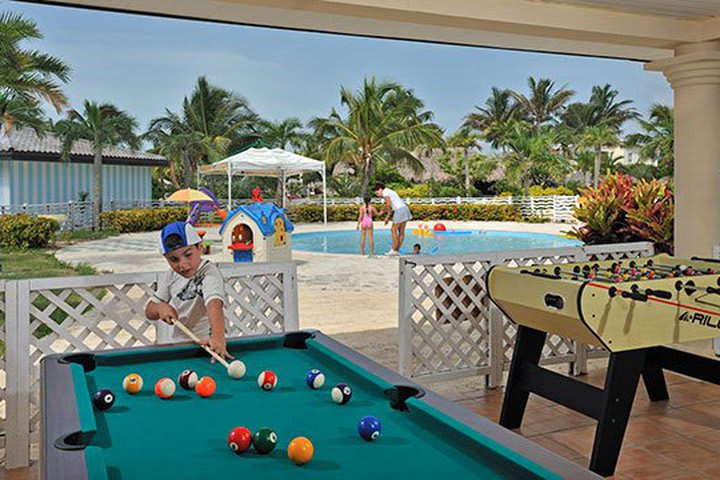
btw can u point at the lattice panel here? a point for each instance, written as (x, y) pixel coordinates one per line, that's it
(92, 318)
(3, 376)
(450, 317)
(255, 305)
(556, 350)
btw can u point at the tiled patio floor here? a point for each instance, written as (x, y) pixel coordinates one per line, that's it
(672, 440)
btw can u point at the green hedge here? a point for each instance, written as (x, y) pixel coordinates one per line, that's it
(339, 213)
(141, 219)
(25, 231)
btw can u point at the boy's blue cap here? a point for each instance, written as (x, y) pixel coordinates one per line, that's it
(178, 235)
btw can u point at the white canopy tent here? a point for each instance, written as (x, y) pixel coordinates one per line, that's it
(267, 162)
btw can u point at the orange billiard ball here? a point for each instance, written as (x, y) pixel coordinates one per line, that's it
(132, 383)
(205, 387)
(300, 450)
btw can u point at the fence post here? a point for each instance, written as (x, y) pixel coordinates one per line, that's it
(17, 331)
(404, 319)
(70, 220)
(290, 299)
(580, 365)
(496, 357)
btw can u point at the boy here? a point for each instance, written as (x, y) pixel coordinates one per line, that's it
(400, 215)
(416, 249)
(192, 292)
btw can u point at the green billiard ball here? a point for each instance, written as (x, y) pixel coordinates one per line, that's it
(264, 440)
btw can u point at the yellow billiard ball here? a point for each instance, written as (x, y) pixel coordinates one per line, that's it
(132, 383)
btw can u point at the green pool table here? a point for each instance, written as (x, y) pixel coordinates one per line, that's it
(185, 437)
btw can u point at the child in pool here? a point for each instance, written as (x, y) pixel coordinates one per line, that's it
(416, 249)
(365, 225)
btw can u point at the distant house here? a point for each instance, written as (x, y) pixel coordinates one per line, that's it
(31, 171)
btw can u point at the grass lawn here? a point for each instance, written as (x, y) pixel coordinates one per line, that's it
(84, 235)
(18, 265)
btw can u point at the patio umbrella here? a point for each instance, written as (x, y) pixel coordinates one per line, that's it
(188, 195)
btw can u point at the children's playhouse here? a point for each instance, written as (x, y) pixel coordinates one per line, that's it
(259, 232)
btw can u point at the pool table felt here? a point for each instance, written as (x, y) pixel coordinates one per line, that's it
(186, 436)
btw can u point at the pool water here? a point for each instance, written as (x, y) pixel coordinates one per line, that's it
(447, 243)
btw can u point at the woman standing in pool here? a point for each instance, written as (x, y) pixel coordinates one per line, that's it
(365, 224)
(400, 216)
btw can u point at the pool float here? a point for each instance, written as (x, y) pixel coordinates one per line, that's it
(439, 227)
(422, 230)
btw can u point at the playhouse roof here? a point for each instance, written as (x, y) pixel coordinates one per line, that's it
(263, 214)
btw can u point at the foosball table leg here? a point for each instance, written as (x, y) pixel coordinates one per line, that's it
(655, 384)
(623, 375)
(529, 344)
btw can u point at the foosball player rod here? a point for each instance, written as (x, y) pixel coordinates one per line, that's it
(682, 269)
(663, 301)
(690, 288)
(580, 276)
(637, 293)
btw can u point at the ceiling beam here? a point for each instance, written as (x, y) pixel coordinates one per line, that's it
(512, 24)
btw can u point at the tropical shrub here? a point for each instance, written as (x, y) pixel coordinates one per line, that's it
(539, 190)
(619, 210)
(141, 219)
(339, 213)
(25, 231)
(416, 191)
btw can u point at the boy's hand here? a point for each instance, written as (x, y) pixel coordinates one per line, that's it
(166, 313)
(218, 345)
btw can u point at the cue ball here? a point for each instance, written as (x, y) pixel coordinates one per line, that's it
(369, 428)
(267, 380)
(132, 383)
(341, 393)
(103, 399)
(165, 388)
(187, 379)
(236, 369)
(315, 379)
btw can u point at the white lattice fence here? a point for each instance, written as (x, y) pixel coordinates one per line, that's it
(449, 328)
(62, 315)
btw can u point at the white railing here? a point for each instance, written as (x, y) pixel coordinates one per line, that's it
(556, 208)
(61, 315)
(449, 328)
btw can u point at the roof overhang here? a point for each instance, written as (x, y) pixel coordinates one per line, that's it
(55, 158)
(512, 24)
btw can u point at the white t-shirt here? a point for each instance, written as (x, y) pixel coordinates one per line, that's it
(395, 201)
(190, 296)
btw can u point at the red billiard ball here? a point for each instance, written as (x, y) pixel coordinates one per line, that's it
(239, 439)
(267, 380)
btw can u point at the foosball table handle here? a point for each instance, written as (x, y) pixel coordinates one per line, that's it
(659, 293)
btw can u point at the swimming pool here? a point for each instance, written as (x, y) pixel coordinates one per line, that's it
(448, 243)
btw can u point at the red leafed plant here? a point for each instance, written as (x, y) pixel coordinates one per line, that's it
(619, 210)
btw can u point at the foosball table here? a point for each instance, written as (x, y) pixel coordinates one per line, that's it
(633, 309)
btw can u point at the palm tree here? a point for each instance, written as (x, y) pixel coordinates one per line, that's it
(603, 108)
(19, 111)
(657, 141)
(531, 155)
(383, 121)
(544, 103)
(103, 125)
(596, 138)
(26, 73)
(212, 121)
(493, 119)
(284, 134)
(466, 141)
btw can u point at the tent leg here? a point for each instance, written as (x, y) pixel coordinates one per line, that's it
(229, 204)
(324, 195)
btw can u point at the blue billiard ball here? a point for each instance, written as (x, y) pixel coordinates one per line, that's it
(369, 428)
(315, 379)
(103, 399)
(341, 393)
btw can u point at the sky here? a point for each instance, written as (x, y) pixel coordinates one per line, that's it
(145, 65)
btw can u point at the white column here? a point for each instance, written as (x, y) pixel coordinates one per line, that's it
(694, 74)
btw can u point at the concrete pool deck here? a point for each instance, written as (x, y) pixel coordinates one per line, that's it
(338, 293)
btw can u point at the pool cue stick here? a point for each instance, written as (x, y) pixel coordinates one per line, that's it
(195, 339)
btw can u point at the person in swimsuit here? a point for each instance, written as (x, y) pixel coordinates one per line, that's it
(365, 225)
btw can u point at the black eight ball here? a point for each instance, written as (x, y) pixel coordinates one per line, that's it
(103, 399)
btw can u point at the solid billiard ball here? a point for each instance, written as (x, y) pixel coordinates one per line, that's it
(315, 379)
(132, 383)
(205, 387)
(341, 393)
(239, 439)
(236, 369)
(165, 388)
(187, 379)
(369, 428)
(103, 399)
(267, 380)
(300, 450)
(265, 440)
